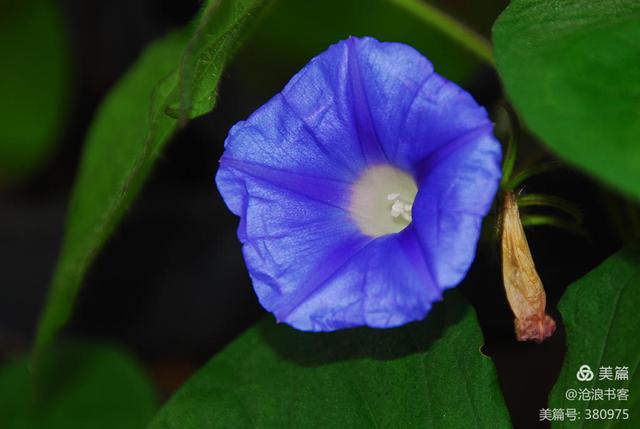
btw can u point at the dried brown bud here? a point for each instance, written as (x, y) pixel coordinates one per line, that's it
(522, 284)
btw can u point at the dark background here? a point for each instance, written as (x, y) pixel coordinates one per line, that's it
(171, 284)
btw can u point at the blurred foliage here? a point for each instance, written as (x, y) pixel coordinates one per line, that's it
(600, 312)
(128, 133)
(34, 83)
(426, 374)
(572, 69)
(450, 27)
(623, 215)
(81, 385)
(293, 31)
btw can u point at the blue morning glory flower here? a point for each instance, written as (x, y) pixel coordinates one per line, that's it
(361, 188)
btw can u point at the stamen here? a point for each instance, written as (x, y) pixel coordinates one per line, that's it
(400, 207)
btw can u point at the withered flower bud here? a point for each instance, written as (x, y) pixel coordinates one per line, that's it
(522, 284)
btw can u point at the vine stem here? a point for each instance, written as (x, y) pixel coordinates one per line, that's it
(450, 27)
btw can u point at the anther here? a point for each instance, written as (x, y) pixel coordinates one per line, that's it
(399, 208)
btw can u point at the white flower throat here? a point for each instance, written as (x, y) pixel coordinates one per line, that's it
(382, 200)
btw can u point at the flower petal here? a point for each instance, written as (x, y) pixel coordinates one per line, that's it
(384, 284)
(313, 268)
(456, 192)
(287, 229)
(413, 110)
(310, 127)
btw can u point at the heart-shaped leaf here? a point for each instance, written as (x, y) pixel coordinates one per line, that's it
(572, 69)
(430, 374)
(600, 312)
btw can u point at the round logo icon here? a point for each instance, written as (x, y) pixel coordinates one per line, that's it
(584, 373)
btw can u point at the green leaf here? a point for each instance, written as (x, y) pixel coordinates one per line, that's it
(127, 135)
(428, 374)
(572, 69)
(34, 80)
(124, 140)
(600, 312)
(81, 386)
(215, 39)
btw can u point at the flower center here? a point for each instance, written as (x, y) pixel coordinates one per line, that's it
(382, 199)
(400, 207)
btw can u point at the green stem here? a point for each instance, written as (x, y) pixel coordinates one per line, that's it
(512, 144)
(536, 200)
(450, 27)
(530, 220)
(524, 175)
